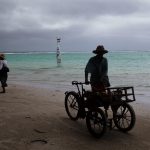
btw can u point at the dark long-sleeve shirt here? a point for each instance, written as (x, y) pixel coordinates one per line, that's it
(98, 68)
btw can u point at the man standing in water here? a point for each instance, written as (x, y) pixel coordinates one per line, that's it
(97, 66)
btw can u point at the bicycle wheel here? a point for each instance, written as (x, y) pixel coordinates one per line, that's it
(96, 122)
(124, 117)
(72, 105)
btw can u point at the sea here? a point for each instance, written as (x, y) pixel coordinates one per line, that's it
(40, 69)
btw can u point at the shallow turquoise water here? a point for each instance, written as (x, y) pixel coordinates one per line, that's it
(40, 69)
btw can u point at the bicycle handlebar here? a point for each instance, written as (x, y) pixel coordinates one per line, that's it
(76, 82)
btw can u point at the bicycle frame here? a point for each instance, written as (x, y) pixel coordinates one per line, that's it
(83, 104)
(80, 92)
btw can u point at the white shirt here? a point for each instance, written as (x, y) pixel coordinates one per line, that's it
(3, 62)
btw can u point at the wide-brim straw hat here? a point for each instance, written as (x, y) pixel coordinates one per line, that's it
(100, 50)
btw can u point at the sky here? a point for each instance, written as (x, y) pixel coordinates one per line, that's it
(34, 25)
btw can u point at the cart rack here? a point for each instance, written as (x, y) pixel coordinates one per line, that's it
(126, 93)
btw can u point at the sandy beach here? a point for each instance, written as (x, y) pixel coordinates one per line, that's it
(35, 119)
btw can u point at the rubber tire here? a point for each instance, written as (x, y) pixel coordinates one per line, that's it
(89, 125)
(75, 101)
(123, 118)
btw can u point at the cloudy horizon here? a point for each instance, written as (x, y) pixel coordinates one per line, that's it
(34, 25)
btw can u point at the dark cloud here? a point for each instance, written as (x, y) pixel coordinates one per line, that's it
(34, 24)
(7, 6)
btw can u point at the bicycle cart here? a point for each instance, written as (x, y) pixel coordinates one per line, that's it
(94, 107)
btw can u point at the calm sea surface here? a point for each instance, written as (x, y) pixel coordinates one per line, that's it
(40, 69)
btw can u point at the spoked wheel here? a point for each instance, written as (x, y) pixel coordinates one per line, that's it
(96, 122)
(72, 105)
(124, 117)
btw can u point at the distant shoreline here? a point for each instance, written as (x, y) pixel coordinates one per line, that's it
(46, 52)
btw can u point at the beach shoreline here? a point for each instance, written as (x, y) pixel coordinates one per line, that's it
(34, 118)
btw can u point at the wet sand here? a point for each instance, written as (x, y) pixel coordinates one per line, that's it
(35, 119)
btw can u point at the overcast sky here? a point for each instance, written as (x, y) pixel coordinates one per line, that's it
(34, 25)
